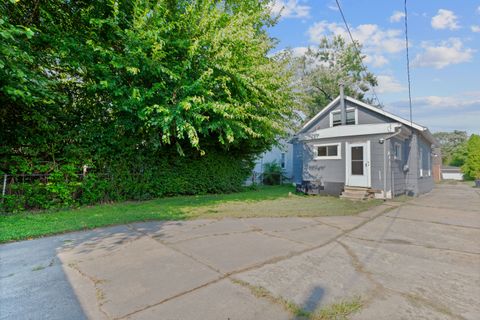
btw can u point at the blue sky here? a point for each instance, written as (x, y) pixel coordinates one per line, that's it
(444, 52)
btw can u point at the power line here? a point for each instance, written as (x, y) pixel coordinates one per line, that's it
(408, 63)
(356, 47)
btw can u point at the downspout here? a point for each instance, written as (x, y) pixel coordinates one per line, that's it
(385, 161)
(342, 105)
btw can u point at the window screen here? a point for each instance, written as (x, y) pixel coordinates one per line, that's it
(357, 161)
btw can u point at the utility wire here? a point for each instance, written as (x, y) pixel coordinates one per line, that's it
(356, 47)
(408, 63)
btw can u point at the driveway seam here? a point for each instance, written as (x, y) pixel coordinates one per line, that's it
(434, 222)
(413, 244)
(252, 267)
(361, 268)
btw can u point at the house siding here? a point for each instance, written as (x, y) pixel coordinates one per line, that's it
(334, 170)
(297, 170)
(425, 183)
(411, 182)
(397, 174)
(394, 176)
(365, 116)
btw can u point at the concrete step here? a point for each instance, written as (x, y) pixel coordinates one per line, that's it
(356, 188)
(354, 195)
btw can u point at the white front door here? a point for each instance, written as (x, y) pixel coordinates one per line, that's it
(358, 164)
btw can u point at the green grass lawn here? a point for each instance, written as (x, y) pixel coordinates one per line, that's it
(263, 202)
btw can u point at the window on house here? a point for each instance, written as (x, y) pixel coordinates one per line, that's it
(351, 117)
(282, 162)
(429, 164)
(328, 151)
(420, 161)
(425, 162)
(336, 117)
(397, 151)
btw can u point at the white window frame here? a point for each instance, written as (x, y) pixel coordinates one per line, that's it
(339, 151)
(399, 156)
(339, 111)
(429, 165)
(420, 161)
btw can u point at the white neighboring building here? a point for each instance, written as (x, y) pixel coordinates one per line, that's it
(452, 173)
(282, 154)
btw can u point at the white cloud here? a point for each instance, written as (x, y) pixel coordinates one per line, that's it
(445, 19)
(397, 16)
(465, 100)
(376, 42)
(478, 10)
(290, 9)
(388, 84)
(444, 113)
(475, 28)
(299, 51)
(376, 60)
(332, 6)
(446, 53)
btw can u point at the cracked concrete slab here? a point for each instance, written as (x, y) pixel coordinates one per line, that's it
(419, 260)
(279, 224)
(457, 197)
(312, 279)
(342, 222)
(219, 301)
(394, 306)
(426, 273)
(462, 218)
(237, 251)
(390, 229)
(141, 274)
(312, 236)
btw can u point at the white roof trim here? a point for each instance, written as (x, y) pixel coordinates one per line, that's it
(366, 106)
(351, 130)
(387, 114)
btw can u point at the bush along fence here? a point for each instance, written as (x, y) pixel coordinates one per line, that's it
(68, 186)
(272, 174)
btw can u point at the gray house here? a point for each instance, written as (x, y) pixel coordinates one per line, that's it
(359, 150)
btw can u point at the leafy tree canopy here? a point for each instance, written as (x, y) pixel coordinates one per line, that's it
(323, 68)
(471, 168)
(85, 79)
(453, 146)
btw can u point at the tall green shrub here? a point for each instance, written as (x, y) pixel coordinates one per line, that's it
(160, 97)
(471, 168)
(272, 173)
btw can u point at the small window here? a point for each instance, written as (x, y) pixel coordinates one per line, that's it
(397, 151)
(336, 117)
(328, 151)
(282, 162)
(420, 162)
(350, 117)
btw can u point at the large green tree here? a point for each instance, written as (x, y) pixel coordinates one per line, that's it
(454, 147)
(471, 168)
(176, 72)
(323, 68)
(127, 85)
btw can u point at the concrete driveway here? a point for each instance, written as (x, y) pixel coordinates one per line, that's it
(420, 260)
